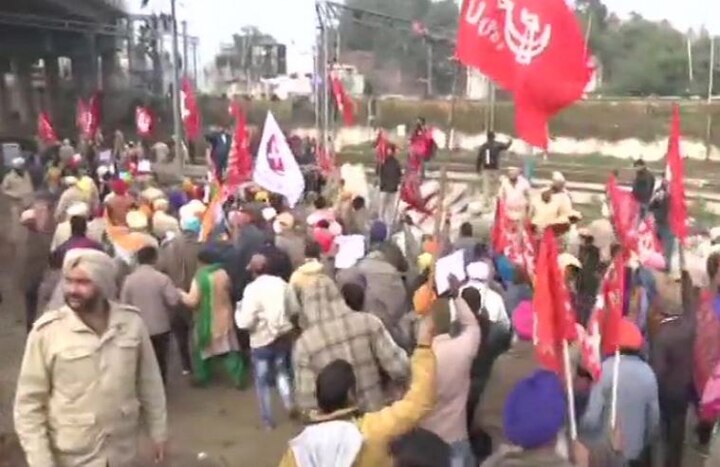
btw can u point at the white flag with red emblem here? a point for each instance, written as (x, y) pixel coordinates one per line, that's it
(276, 169)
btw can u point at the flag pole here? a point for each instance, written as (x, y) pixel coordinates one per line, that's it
(570, 391)
(614, 394)
(177, 131)
(453, 101)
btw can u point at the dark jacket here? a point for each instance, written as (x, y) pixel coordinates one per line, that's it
(390, 175)
(489, 155)
(670, 358)
(643, 186)
(660, 207)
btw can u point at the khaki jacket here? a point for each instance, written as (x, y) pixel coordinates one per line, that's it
(81, 398)
(17, 187)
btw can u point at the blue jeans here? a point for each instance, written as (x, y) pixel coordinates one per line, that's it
(268, 362)
(461, 454)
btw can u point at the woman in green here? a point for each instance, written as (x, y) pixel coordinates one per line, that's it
(214, 333)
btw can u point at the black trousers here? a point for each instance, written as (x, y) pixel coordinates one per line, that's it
(673, 412)
(160, 343)
(181, 326)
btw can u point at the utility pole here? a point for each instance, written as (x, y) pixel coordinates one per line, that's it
(429, 67)
(689, 56)
(177, 130)
(711, 76)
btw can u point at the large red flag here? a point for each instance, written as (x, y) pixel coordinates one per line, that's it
(190, 111)
(676, 175)
(554, 316)
(239, 161)
(608, 312)
(343, 101)
(535, 50)
(46, 131)
(144, 121)
(498, 237)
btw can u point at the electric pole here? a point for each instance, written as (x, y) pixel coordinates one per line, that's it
(177, 124)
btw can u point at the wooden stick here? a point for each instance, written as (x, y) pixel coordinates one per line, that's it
(440, 212)
(570, 391)
(614, 394)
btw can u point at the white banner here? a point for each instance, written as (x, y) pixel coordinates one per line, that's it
(276, 169)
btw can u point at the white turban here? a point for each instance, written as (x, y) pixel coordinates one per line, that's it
(479, 271)
(78, 209)
(558, 177)
(98, 266)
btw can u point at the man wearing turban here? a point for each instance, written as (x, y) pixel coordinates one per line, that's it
(89, 378)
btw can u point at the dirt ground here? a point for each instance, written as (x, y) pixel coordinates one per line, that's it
(216, 426)
(221, 422)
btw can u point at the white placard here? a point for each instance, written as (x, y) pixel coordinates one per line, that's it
(451, 264)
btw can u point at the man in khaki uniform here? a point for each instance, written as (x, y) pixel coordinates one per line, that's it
(89, 377)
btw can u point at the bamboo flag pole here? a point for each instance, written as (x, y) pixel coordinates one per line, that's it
(570, 391)
(614, 394)
(440, 213)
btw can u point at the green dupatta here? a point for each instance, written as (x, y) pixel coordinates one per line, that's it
(203, 330)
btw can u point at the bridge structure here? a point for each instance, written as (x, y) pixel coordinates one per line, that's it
(51, 47)
(54, 51)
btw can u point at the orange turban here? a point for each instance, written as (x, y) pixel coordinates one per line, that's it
(423, 299)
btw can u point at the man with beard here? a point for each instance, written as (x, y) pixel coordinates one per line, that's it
(89, 377)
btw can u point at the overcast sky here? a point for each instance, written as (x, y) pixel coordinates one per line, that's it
(293, 21)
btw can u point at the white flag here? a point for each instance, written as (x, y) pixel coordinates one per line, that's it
(276, 169)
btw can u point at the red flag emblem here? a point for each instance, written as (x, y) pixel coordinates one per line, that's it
(535, 50)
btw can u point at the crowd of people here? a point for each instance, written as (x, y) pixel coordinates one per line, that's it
(381, 366)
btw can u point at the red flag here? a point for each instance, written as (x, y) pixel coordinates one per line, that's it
(625, 213)
(535, 50)
(344, 102)
(46, 132)
(382, 147)
(144, 122)
(498, 236)
(83, 118)
(410, 192)
(326, 161)
(676, 177)
(189, 110)
(608, 311)
(240, 163)
(95, 108)
(554, 317)
(590, 355)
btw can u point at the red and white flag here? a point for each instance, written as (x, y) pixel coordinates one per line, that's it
(624, 213)
(676, 176)
(87, 116)
(240, 163)
(276, 169)
(343, 101)
(46, 131)
(189, 110)
(535, 50)
(144, 121)
(590, 355)
(554, 316)
(410, 192)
